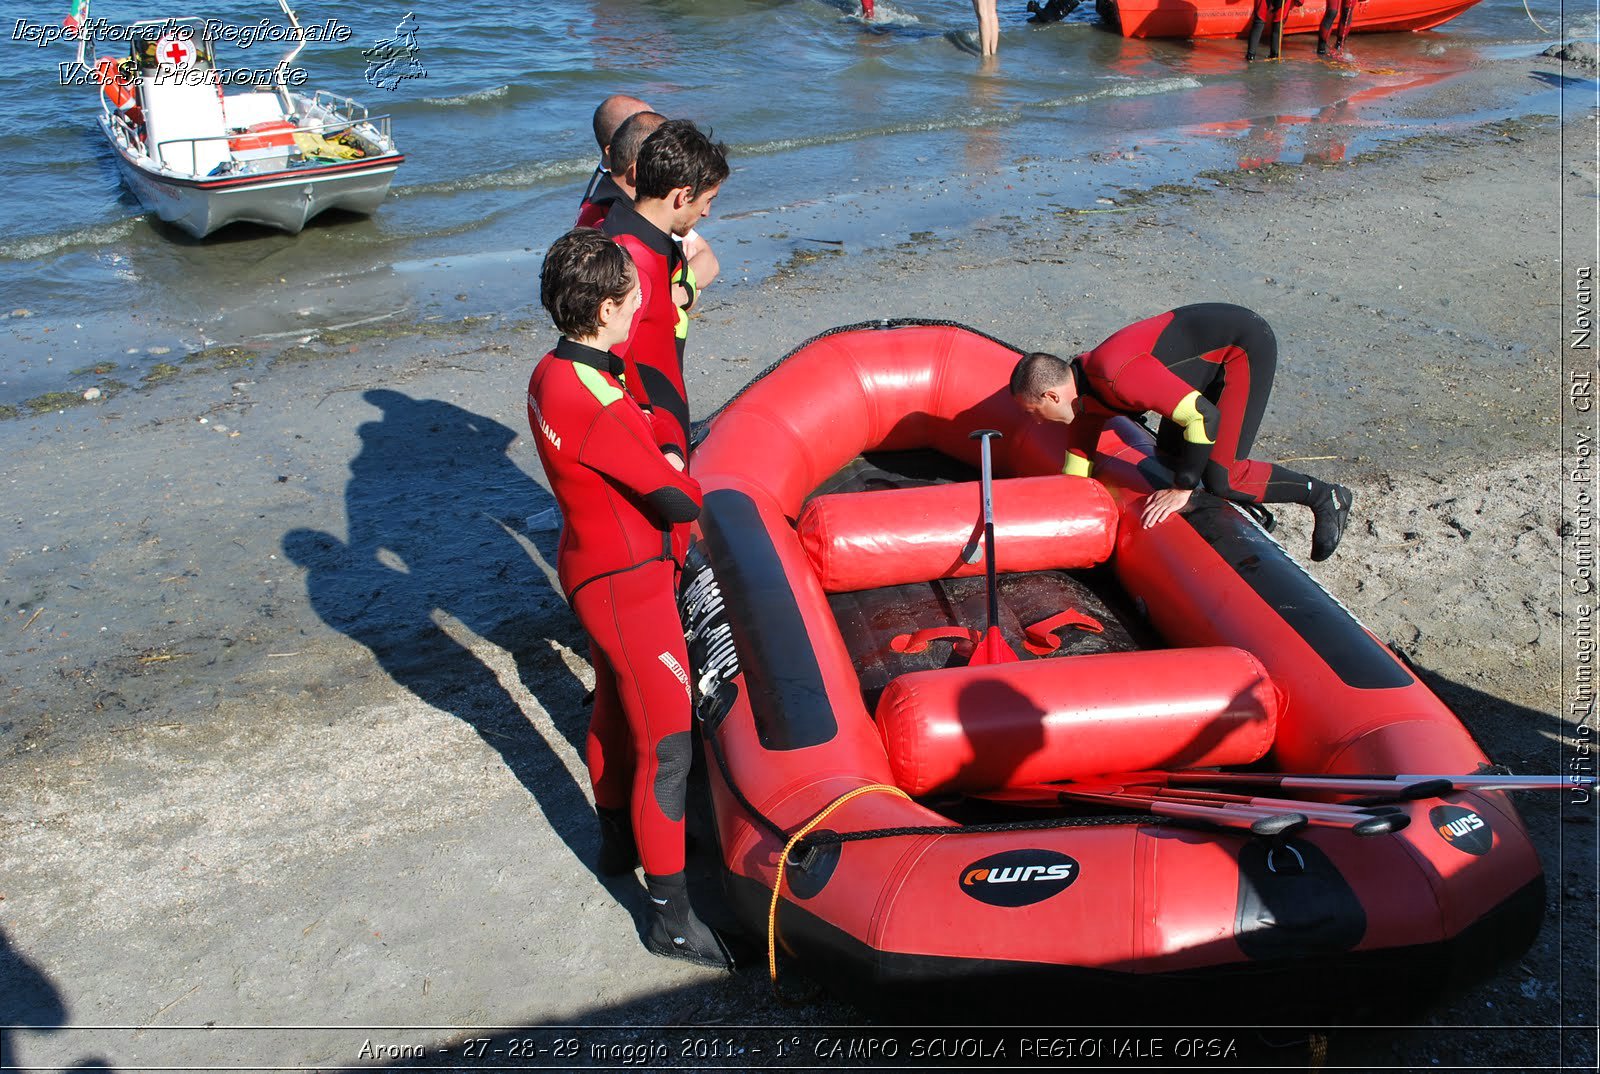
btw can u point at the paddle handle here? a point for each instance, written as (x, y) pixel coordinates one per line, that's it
(986, 484)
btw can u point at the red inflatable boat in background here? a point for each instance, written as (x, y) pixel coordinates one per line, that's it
(1231, 18)
(954, 822)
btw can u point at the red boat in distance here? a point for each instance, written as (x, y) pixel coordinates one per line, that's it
(1230, 18)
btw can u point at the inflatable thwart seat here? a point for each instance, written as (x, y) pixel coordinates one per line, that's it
(977, 727)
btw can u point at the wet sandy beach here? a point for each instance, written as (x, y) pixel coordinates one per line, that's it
(293, 708)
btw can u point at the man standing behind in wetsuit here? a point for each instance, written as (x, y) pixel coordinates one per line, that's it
(619, 141)
(620, 499)
(678, 175)
(1207, 370)
(609, 115)
(618, 184)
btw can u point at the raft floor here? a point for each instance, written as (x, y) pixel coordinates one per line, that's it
(869, 619)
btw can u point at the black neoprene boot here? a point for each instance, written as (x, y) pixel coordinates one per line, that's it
(675, 931)
(1330, 505)
(619, 854)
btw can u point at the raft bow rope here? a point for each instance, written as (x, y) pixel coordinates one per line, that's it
(783, 861)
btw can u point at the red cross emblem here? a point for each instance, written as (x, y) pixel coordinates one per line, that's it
(174, 50)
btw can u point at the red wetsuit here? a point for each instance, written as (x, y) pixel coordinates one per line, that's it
(1335, 27)
(656, 340)
(1207, 370)
(603, 192)
(619, 500)
(1268, 15)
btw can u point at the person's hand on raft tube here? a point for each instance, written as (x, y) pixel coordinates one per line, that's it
(1163, 503)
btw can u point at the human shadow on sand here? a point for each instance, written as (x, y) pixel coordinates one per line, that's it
(30, 1000)
(436, 513)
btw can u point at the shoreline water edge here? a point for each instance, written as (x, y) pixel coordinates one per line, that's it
(293, 705)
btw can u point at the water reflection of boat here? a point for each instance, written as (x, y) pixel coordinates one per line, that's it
(1324, 136)
(201, 158)
(1230, 18)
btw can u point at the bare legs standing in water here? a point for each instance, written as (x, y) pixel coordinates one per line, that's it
(988, 26)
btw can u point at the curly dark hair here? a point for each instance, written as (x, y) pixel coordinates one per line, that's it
(680, 154)
(582, 269)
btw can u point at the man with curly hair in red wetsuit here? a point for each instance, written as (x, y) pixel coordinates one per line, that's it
(1207, 371)
(677, 176)
(620, 500)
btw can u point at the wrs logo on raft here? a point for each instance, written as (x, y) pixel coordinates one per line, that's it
(1462, 828)
(1018, 877)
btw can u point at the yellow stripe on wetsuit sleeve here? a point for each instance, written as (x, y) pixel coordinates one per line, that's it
(685, 275)
(599, 387)
(1187, 414)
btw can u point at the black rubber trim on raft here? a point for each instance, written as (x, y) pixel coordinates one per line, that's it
(788, 699)
(1359, 660)
(1408, 976)
(1294, 913)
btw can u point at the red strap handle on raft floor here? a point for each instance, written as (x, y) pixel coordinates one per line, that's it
(1040, 638)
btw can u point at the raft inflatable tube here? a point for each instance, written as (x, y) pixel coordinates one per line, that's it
(1195, 642)
(1229, 18)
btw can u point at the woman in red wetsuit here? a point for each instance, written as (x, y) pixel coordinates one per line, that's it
(1207, 371)
(620, 498)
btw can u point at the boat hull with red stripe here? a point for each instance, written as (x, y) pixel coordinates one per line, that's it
(1231, 18)
(786, 684)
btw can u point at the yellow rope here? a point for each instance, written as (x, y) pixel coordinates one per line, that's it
(783, 861)
(1531, 19)
(1319, 1050)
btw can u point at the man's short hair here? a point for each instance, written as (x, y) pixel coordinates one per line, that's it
(630, 137)
(582, 269)
(1036, 373)
(679, 154)
(611, 113)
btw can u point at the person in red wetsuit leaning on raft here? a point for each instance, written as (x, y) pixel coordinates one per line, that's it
(620, 498)
(1207, 370)
(678, 175)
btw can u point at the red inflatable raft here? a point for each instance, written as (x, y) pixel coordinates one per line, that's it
(831, 599)
(1231, 18)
